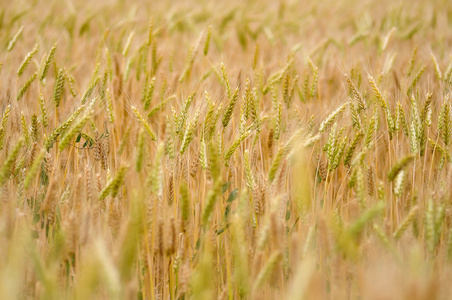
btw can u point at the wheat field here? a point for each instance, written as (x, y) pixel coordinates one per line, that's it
(225, 149)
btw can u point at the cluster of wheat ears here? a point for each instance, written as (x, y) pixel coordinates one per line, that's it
(229, 150)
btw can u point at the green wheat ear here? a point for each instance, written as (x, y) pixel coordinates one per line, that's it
(271, 264)
(59, 86)
(184, 203)
(52, 138)
(74, 130)
(230, 108)
(189, 133)
(14, 39)
(49, 59)
(331, 118)
(27, 60)
(405, 223)
(140, 156)
(25, 87)
(34, 169)
(112, 187)
(154, 179)
(399, 166)
(207, 43)
(211, 200)
(149, 94)
(143, 122)
(6, 168)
